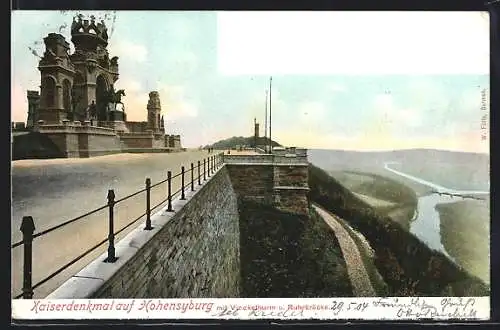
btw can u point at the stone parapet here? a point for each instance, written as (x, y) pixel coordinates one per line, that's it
(69, 128)
(266, 159)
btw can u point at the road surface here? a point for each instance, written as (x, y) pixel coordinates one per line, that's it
(53, 191)
(361, 284)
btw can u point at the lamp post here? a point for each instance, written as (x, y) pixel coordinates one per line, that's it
(270, 116)
(265, 126)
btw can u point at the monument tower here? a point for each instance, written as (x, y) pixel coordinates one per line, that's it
(69, 83)
(33, 106)
(154, 112)
(95, 71)
(57, 73)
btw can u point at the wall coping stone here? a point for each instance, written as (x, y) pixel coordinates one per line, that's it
(268, 164)
(290, 188)
(265, 158)
(69, 128)
(79, 286)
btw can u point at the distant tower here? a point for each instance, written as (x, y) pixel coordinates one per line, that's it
(33, 104)
(57, 74)
(256, 131)
(154, 112)
(256, 125)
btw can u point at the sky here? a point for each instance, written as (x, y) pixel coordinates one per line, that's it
(340, 80)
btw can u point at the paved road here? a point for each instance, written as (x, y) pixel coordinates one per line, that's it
(53, 191)
(356, 270)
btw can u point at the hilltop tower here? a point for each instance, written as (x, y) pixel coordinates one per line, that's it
(154, 112)
(95, 72)
(256, 129)
(256, 132)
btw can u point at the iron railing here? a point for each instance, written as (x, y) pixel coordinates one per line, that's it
(210, 164)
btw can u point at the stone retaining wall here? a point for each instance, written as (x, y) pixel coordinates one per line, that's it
(192, 252)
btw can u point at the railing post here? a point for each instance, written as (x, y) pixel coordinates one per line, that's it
(204, 170)
(111, 235)
(27, 228)
(208, 166)
(169, 196)
(148, 204)
(199, 174)
(192, 177)
(182, 183)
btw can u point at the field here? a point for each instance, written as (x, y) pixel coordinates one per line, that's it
(465, 233)
(386, 196)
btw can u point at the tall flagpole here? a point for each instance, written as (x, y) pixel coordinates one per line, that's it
(270, 115)
(265, 129)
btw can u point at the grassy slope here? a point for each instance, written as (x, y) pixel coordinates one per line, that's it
(284, 255)
(403, 200)
(408, 266)
(465, 234)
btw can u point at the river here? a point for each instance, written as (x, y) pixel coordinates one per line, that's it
(426, 222)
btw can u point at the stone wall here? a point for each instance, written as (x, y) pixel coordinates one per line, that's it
(68, 143)
(158, 141)
(85, 145)
(137, 126)
(284, 186)
(291, 200)
(194, 252)
(296, 176)
(137, 140)
(103, 144)
(173, 141)
(82, 141)
(252, 182)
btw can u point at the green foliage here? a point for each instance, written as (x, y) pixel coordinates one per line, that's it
(387, 189)
(408, 266)
(286, 255)
(465, 230)
(240, 141)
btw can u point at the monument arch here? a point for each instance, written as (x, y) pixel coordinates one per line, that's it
(49, 91)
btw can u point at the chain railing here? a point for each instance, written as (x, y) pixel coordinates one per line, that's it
(210, 165)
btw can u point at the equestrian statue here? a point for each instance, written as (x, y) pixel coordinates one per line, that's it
(115, 98)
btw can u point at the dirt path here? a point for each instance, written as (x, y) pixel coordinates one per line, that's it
(356, 270)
